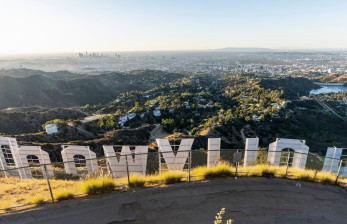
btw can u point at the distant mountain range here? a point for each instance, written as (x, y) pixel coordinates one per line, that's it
(23, 88)
(22, 73)
(259, 49)
(254, 49)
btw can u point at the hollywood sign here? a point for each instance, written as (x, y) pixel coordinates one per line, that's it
(135, 160)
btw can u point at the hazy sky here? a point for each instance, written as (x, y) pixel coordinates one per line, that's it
(42, 26)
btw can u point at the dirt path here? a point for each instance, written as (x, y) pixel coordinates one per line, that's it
(81, 130)
(246, 200)
(242, 131)
(157, 132)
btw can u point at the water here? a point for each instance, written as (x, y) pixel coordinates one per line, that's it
(329, 88)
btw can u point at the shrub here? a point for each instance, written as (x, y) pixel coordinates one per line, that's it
(37, 200)
(198, 172)
(303, 175)
(98, 186)
(221, 170)
(168, 124)
(260, 170)
(59, 122)
(268, 173)
(63, 195)
(154, 178)
(136, 180)
(107, 122)
(171, 177)
(281, 171)
(325, 178)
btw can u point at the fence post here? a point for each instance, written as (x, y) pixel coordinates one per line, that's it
(190, 164)
(159, 161)
(4, 172)
(49, 184)
(315, 174)
(288, 157)
(237, 165)
(109, 169)
(126, 160)
(338, 172)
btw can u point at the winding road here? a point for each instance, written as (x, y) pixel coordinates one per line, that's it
(325, 106)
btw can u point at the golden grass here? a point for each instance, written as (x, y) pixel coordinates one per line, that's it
(136, 180)
(98, 186)
(16, 192)
(326, 177)
(303, 175)
(63, 195)
(38, 200)
(218, 171)
(293, 173)
(171, 177)
(198, 172)
(152, 179)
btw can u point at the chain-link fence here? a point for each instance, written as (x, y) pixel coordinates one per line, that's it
(47, 183)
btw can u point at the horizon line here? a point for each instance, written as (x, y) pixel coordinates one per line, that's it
(224, 49)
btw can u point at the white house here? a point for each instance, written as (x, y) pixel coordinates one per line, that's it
(51, 129)
(157, 113)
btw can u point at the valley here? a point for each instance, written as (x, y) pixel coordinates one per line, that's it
(154, 103)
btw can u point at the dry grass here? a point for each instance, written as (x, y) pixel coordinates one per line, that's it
(38, 200)
(136, 180)
(219, 171)
(293, 173)
(64, 195)
(152, 180)
(262, 171)
(16, 192)
(171, 177)
(326, 178)
(303, 175)
(98, 186)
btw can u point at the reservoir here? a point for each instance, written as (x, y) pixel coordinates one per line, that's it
(329, 88)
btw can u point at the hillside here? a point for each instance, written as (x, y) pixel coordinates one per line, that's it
(292, 87)
(22, 73)
(44, 89)
(70, 135)
(31, 121)
(332, 78)
(237, 107)
(230, 106)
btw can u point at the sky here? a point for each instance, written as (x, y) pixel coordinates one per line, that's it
(57, 26)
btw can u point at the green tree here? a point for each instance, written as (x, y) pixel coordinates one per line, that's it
(59, 122)
(168, 124)
(107, 122)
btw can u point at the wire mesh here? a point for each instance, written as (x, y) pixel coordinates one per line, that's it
(17, 193)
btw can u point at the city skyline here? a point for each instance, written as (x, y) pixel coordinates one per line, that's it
(105, 26)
